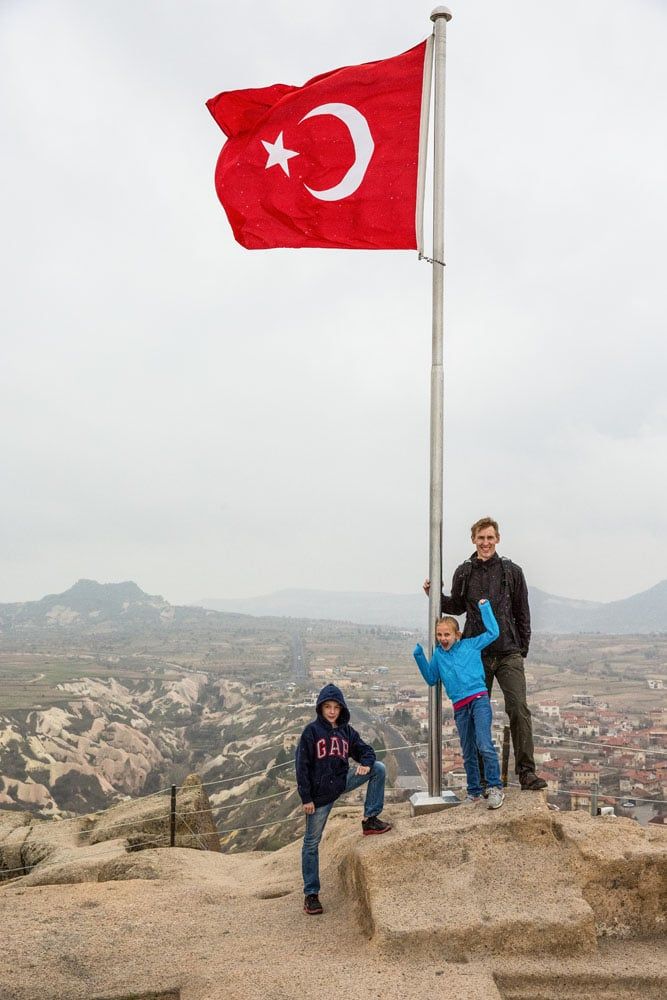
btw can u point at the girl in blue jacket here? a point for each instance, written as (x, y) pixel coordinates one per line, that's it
(458, 664)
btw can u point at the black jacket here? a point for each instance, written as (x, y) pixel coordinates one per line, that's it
(323, 752)
(503, 583)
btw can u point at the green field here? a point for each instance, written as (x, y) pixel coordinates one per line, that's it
(29, 680)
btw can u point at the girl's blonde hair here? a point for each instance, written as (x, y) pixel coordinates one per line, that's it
(448, 620)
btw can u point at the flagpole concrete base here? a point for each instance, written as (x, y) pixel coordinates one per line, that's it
(422, 802)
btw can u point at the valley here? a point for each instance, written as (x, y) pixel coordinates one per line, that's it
(119, 695)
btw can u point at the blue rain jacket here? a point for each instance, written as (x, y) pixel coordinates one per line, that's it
(460, 668)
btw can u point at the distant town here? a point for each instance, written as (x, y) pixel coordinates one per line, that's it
(600, 730)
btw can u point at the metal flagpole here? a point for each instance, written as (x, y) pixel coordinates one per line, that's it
(435, 799)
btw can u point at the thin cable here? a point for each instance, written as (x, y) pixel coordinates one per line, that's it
(568, 790)
(197, 837)
(257, 826)
(242, 777)
(607, 746)
(26, 869)
(136, 824)
(246, 802)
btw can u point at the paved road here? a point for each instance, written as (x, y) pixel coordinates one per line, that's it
(405, 759)
(298, 658)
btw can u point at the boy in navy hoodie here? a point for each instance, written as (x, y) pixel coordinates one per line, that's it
(323, 773)
(458, 664)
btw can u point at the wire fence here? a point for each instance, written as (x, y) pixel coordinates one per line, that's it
(621, 748)
(163, 841)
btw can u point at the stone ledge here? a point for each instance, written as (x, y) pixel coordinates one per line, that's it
(520, 880)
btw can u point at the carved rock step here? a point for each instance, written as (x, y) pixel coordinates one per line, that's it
(519, 880)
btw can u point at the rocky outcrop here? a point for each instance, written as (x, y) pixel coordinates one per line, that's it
(146, 822)
(181, 696)
(622, 870)
(199, 925)
(27, 792)
(101, 846)
(471, 881)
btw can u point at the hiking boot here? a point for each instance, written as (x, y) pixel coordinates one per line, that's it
(471, 800)
(374, 825)
(531, 782)
(312, 905)
(496, 797)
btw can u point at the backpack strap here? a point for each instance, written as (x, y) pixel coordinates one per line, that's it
(465, 579)
(508, 576)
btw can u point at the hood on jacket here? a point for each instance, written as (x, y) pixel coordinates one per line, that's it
(332, 693)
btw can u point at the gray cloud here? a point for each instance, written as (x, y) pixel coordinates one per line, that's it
(211, 421)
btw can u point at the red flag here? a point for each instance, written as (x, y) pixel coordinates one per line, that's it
(331, 164)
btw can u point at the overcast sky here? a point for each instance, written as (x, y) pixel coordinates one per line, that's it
(211, 421)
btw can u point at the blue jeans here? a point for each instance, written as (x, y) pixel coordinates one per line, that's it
(315, 823)
(473, 722)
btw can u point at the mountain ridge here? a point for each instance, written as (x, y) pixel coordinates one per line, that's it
(88, 603)
(641, 613)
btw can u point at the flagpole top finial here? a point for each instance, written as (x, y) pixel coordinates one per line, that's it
(441, 12)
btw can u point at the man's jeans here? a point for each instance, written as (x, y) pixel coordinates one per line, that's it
(473, 722)
(509, 672)
(315, 823)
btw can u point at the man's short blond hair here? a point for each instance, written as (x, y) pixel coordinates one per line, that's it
(484, 522)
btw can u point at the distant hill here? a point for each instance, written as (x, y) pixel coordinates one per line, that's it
(89, 605)
(641, 613)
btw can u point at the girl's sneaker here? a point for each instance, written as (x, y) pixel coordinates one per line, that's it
(471, 800)
(495, 798)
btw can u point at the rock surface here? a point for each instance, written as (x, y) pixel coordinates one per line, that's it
(523, 880)
(520, 904)
(94, 847)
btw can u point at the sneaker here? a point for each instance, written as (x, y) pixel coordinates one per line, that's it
(374, 825)
(496, 798)
(312, 905)
(471, 800)
(531, 782)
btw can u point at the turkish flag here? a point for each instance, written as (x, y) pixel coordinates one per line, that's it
(331, 164)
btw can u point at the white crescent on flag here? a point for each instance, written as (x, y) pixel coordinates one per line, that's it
(362, 140)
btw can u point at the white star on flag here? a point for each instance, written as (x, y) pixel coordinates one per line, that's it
(278, 155)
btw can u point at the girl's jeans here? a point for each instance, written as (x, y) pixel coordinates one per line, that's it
(473, 722)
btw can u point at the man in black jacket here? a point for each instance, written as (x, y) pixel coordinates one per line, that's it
(486, 574)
